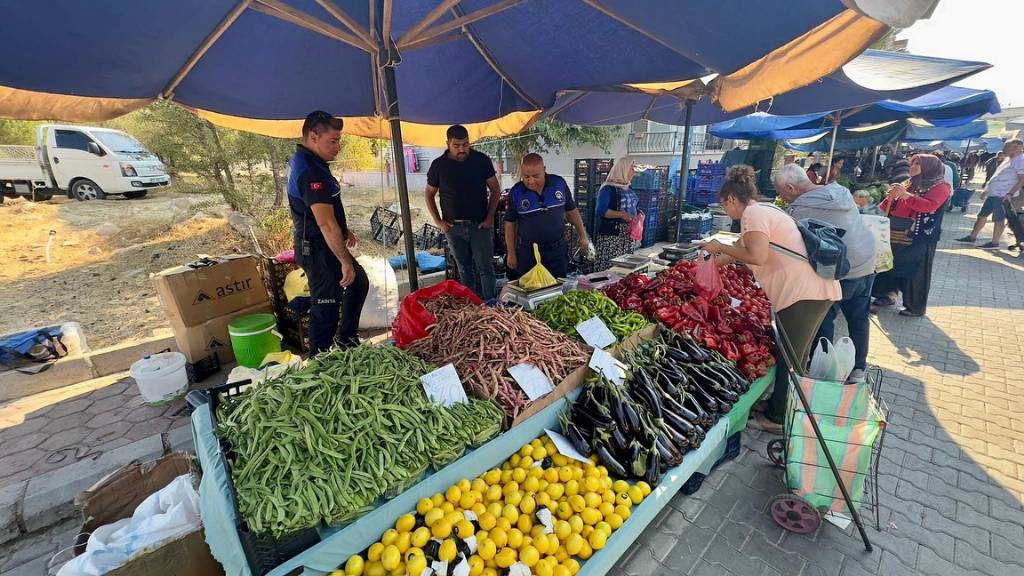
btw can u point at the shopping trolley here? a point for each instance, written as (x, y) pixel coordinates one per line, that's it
(825, 422)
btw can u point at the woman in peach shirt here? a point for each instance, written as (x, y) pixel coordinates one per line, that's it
(799, 296)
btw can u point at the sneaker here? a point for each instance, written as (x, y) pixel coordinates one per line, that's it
(858, 376)
(967, 240)
(990, 246)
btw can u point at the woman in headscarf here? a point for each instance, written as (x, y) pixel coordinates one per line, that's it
(616, 208)
(915, 220)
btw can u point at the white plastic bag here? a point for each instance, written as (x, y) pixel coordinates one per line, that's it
(167, 514)
(833, 362)
(879, 226)
(382, 300)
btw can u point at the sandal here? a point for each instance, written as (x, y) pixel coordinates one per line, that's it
(884, 301)
(761, 422)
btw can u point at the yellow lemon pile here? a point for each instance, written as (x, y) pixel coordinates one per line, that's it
(495, 520)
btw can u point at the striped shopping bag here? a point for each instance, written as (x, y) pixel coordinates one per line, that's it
(850, 421)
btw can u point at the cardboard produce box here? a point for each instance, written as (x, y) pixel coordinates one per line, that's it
(119, 494)
(191, 296)
(200, 342)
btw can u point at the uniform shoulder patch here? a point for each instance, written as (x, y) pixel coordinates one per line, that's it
(316, 185)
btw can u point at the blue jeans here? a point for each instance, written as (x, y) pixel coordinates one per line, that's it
(474, 253)
(856, 305)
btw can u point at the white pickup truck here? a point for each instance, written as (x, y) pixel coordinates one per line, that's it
(84, 162)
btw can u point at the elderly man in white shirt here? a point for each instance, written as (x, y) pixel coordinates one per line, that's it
(1005, 183)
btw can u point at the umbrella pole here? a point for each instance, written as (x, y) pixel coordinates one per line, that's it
(391, 106)
(684, 167)
(874, 161)
(832, 147)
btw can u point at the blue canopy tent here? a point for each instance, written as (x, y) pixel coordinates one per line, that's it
(262, 65)
(855, 139)
(869, 78)
(949, 106)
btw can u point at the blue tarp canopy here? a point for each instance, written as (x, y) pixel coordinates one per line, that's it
(855, 139)
(950, 106)
(872, 77)
(490, 64)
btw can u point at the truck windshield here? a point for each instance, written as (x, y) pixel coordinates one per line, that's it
(120, 142)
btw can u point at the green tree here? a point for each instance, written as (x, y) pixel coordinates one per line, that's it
(18, 132)
(544, 136)
(357, 154)
(185, 142)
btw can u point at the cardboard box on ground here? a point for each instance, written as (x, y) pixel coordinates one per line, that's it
(199, 342)
(119, 494)
(201, 302)
(192, 296)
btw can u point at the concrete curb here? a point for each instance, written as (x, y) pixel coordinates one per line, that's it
(79, 368)
(37, 503)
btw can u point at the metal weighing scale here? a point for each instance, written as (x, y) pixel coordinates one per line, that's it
(675, 252)
(629, 263)
(529, 300)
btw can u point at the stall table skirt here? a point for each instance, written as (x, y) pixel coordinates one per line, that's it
(340, 543)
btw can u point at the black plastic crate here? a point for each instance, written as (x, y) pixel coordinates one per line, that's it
(387, 235)
(263, 553)
(429, 237)
(732, 450)
(383, 216)
(294, 328)
(274, 275)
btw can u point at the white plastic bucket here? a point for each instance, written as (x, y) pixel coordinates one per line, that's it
(161, 377)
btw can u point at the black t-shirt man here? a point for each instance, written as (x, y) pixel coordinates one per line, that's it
(462, 185)
(469, 190)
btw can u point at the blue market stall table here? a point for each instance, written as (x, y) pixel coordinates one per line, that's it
(337, 545)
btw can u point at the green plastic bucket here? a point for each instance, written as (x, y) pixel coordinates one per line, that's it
(253, 337)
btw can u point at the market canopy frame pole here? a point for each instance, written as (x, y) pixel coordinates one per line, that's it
(684, 167)
(387, 58)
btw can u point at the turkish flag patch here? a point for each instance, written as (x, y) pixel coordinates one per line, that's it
(315, 185)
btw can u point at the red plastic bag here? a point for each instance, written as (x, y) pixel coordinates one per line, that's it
(706, 278)
(413, 319)
(636, 227)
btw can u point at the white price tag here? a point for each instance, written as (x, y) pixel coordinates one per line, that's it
(534, 382)
(595, 333)
(604, 363)
(444, 387)
(565, 447)
(735, 303)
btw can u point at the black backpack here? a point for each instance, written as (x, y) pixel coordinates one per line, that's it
(826, 251)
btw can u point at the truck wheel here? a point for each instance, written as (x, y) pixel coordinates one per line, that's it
(137, 194)
(87, 190)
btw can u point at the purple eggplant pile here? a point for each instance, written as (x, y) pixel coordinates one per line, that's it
(675, 390)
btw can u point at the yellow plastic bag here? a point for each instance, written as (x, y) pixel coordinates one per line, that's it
(538, 277)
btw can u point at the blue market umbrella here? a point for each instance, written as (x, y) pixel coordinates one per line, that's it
(262, 65)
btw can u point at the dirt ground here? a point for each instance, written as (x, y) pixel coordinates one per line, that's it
(103, 252)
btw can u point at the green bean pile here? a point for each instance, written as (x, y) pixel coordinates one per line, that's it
(568, 310)
(323, 443)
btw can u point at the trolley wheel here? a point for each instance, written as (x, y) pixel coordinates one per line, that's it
(794, 513)
(777, 452)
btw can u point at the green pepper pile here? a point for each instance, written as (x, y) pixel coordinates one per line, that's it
(323, 443)
(568, 310)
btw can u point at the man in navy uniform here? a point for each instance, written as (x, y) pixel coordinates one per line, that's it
(538, 208)
(337, 283)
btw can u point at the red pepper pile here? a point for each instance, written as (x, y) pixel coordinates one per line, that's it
(742, 333)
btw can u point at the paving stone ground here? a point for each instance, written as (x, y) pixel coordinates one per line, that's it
(952, 471)
(53, 429)
(951, 475)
